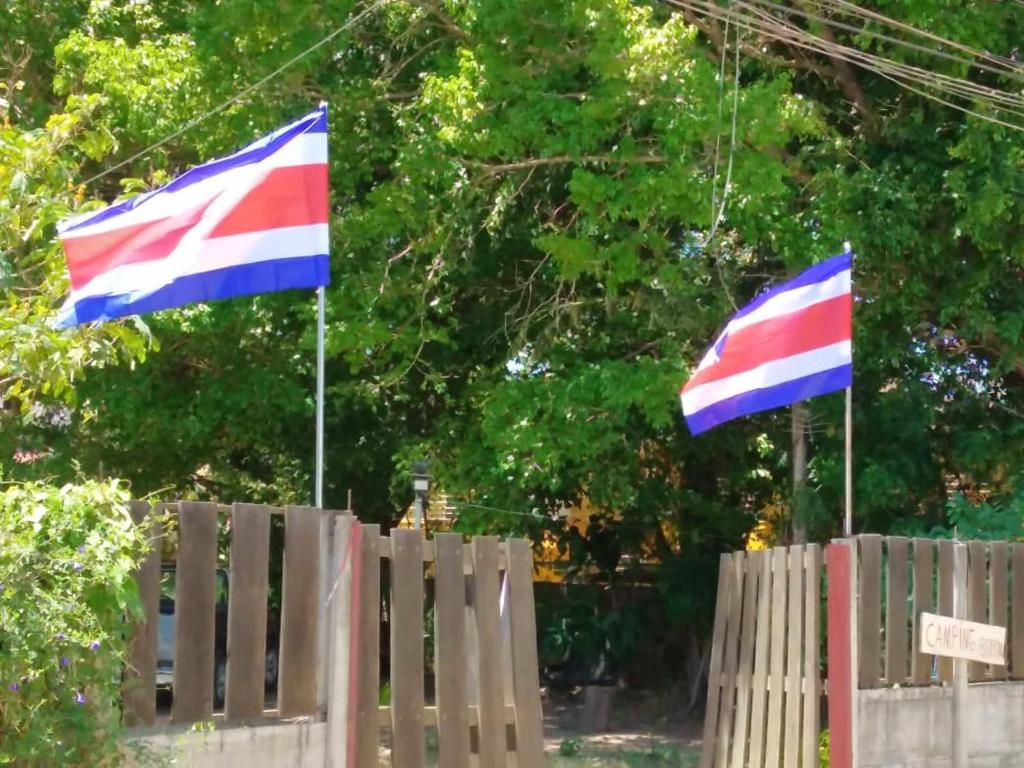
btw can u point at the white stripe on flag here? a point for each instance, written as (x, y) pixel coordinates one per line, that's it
(794, 300)
(207, 256)
(305, 149)
(769, 374)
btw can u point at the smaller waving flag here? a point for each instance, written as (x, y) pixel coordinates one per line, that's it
(253, 222)
(791, 343)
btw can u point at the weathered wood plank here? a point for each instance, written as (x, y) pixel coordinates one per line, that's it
(1017, 634)
(407, 747)
(343, 640)
(140, 674)
(998, 607)
(759, 685)
(247, 611)
(921, 663)
(977, 597)
(745, 669)
(368, 681)
(794, 660)
(777, 652)
(300, 610)
(896, 612)
(525, 670)
(812, 636)
(945, 600)
(870, 655)
(730, 661)
(194, 607)
(493, 746)
(711, 715)
(450, 650)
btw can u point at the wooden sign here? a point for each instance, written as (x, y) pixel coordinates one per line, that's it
(945, 636)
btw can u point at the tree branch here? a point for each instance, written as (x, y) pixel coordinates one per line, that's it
(537, 162)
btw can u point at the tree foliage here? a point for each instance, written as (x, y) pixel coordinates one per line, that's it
(523, 264)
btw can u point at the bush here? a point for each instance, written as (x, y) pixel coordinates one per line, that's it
(66, 588)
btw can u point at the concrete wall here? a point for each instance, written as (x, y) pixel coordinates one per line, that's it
(904, 727)
(277, 745)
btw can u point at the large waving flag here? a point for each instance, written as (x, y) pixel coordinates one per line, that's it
(253, 222)
(792, 343)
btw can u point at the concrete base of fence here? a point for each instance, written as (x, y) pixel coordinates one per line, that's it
(296, 745)
(912, 727)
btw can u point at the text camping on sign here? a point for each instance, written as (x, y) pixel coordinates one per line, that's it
(945, 636)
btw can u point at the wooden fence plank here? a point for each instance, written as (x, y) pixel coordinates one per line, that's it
(921, 663)
(869, 657)
(977, 598)
(759, 685)
(368, 680)
(812, 637)
(745, 669)
(896, 612)
(1017, 597)
(450, 649)
(342, 637)
(493, 745)
(711, 714)
(407, 747)
(945, 600)
(247, 611)
(525, 670)
(730, 662)
(140, 674)
(300, 609)
(794, 660)
(998, 608)
(777, 651)
(194, 607)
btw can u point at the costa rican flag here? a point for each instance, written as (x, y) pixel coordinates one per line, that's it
(792, 343)
(253, 222)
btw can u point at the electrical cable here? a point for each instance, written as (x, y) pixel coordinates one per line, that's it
(238, 96)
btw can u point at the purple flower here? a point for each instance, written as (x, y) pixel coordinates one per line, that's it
(79, 698)
(61, 637)
(81, 549)
(77, 566)
(65, 661)
(14, 686)
(94, 645)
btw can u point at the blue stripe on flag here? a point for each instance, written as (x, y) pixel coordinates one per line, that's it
(244, 280)
(765, 399)
(314, 122)
(818, 273)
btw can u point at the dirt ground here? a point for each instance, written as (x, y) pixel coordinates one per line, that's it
(646, 731)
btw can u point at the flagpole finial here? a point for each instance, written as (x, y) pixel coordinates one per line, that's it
(322, 104)
(847, 247)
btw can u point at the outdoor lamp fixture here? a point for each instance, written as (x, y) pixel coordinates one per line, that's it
(420, 487)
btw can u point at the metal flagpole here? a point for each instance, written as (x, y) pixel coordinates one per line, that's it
(319, 494)
(848, 519)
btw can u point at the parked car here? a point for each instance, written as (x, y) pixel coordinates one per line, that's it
(166, 636)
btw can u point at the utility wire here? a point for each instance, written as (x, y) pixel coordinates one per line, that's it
(904, 75)
(240, 95)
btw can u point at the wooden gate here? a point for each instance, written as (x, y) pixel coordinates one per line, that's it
(764, 683)
(330, 687)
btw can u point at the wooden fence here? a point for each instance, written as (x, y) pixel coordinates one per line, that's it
(899, 578)
(487, 693)
(764, 681)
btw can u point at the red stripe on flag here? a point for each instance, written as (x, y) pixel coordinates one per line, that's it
(92, 255)
(293, 196)
(821, 324)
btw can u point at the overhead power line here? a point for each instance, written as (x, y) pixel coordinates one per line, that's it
(238, 96)
(925, 82)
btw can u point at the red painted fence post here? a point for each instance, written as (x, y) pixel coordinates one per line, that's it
(840, 558)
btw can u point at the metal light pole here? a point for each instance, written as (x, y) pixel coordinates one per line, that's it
(421, 488)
